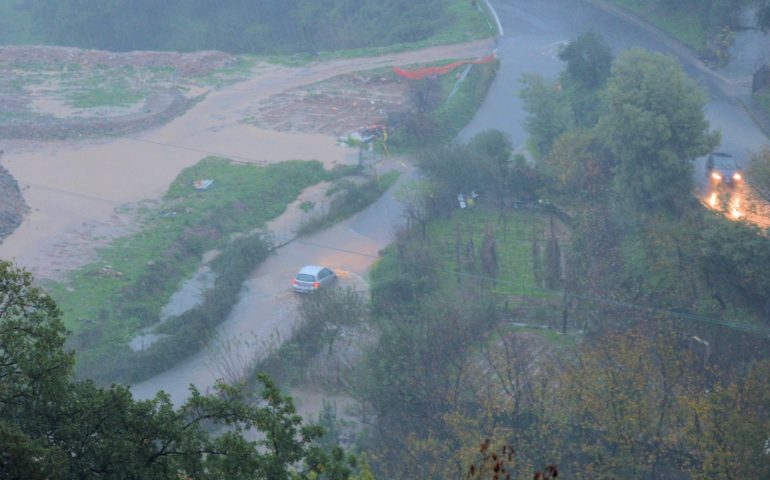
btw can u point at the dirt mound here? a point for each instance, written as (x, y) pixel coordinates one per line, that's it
(12, 207)
(337, 106)
(158, 109)
(186, 64)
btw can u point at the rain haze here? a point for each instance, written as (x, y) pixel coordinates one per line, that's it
(446, 239)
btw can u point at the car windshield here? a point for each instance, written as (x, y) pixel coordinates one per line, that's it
(725, 163)
(304, 277)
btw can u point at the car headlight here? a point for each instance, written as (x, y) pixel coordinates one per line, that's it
(716, 176)
(737, 177)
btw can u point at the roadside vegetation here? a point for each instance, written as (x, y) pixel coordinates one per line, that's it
(53, 427)
(435, 117)
(618, 329)
(297, 26)
(582, 314)
(351, 195)
(108, 302)
(704, 26)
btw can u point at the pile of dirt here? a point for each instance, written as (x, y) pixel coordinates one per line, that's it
(186, 64)
(163, 101)
(157, 110)
(337, 106)
(12, 206)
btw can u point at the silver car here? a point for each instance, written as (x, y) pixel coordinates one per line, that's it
(312, 277)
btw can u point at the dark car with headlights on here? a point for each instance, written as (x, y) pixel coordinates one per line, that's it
(722, 168)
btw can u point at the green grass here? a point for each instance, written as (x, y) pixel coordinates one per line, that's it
(682, 25)
(554, 337)
(110, 95)
(513, 239)
(470, 24)
(453, 114)
(352, 199)
(168, 248)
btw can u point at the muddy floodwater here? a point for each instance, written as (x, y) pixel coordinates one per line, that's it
(69, 185)
(76, 190)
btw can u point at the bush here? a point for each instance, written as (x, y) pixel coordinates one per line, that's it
(351, 198)
(190, 331)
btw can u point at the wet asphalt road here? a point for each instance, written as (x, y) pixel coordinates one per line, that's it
(534, 30)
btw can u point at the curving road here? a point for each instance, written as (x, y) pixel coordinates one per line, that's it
(533, 33)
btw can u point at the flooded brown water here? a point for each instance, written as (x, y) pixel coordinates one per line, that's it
(71, 186)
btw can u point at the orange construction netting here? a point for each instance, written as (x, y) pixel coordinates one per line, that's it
(428, 71)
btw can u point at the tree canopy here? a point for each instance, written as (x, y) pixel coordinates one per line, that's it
(54, 428)
(654, 124)
(589, 60)
(236, 26)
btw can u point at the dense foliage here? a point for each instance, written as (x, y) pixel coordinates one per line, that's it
(237, 26)
(54, 428)
(656, 377)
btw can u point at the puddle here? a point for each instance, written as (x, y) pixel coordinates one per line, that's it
(141, 342)
(188, 296)
(190, 293)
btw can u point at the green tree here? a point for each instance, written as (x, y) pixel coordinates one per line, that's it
(452, 168)
(578, 165)
(52, 427)
(655, 126)
(34, 371)
(589, 60)
(548, 116)
(734, 255)
(330, 311)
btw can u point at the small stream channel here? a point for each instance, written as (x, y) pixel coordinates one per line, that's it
(188, 296)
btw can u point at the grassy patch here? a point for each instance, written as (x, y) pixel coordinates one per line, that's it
(106, 303)
(351, 198)
(682, 25)
(454, 113)
(514, 233)
(470, 23)
(554, 337)
(114, 95)
(185, 333)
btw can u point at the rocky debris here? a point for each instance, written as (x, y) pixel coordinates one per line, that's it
(338, 106)
(168, 100)
(186, 64)
(108, 271)
(12, 206)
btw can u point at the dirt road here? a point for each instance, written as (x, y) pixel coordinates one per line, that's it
(74, 187)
